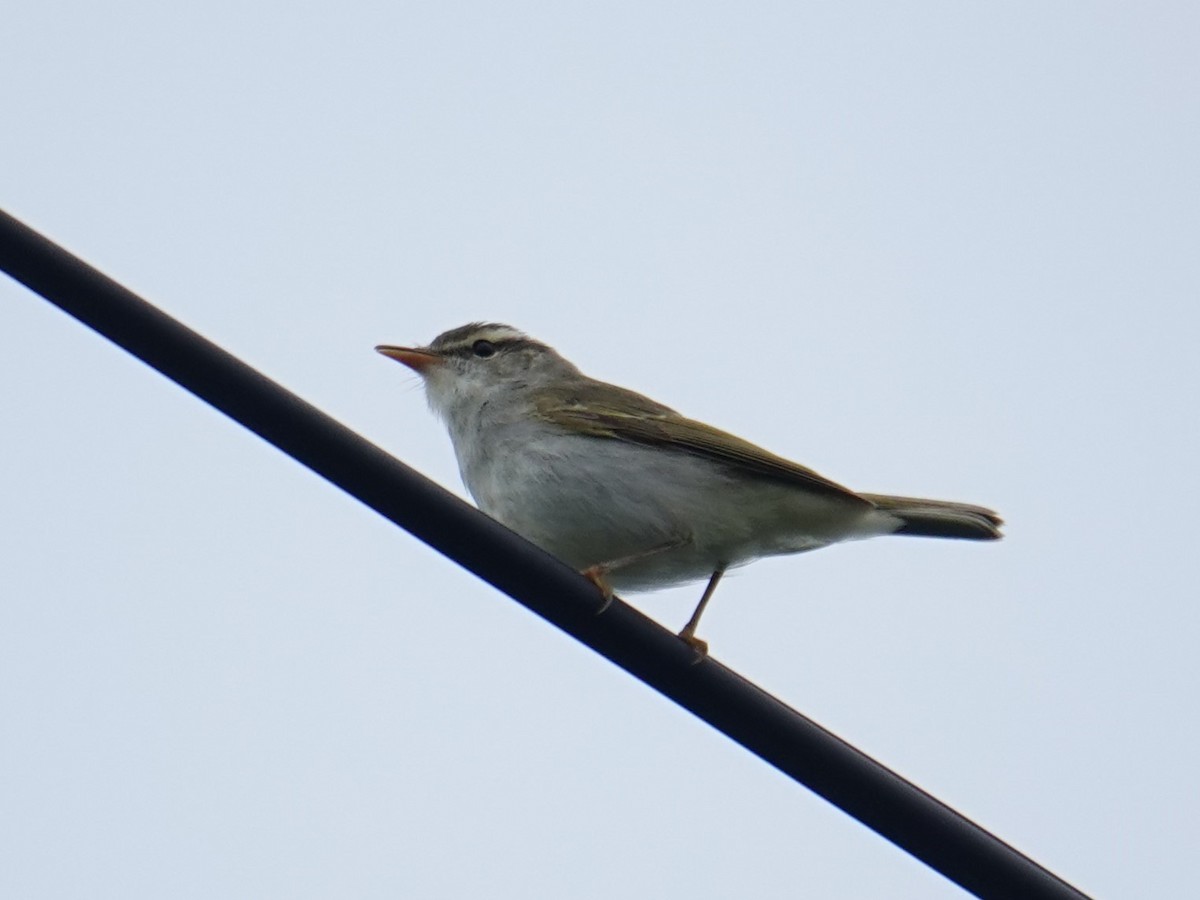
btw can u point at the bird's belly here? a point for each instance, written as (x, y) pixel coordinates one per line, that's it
(671, 517)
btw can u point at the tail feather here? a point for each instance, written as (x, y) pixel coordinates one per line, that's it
(939, 518)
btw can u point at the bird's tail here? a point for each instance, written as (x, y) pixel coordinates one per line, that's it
(939, 518)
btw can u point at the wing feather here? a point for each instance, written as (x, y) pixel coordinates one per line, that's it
(628, 416)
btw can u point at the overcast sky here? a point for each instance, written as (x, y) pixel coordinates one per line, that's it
(934, 249)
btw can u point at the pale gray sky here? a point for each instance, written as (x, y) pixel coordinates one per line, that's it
(935, 249)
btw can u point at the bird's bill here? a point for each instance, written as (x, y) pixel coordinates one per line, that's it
(416, 359)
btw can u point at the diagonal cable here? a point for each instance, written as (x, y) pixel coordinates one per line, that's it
(879, 798)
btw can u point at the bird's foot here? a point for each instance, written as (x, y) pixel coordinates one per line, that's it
(595, 574)
(701, 647)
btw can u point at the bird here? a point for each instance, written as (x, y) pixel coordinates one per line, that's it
(628, 491)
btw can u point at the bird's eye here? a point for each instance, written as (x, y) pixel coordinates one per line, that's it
(483, 349)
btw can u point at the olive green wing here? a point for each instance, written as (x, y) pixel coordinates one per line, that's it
(607, 411)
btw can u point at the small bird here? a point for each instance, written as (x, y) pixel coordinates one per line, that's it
(628, 491)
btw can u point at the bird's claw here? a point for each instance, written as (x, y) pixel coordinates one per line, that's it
(595, 574)
(701, 647)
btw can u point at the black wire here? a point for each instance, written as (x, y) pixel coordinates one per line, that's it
(876, 796)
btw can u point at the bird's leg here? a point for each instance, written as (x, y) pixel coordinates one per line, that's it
(596, 574)
(688, 635)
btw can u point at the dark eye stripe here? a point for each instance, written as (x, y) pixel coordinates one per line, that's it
(498, 345)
